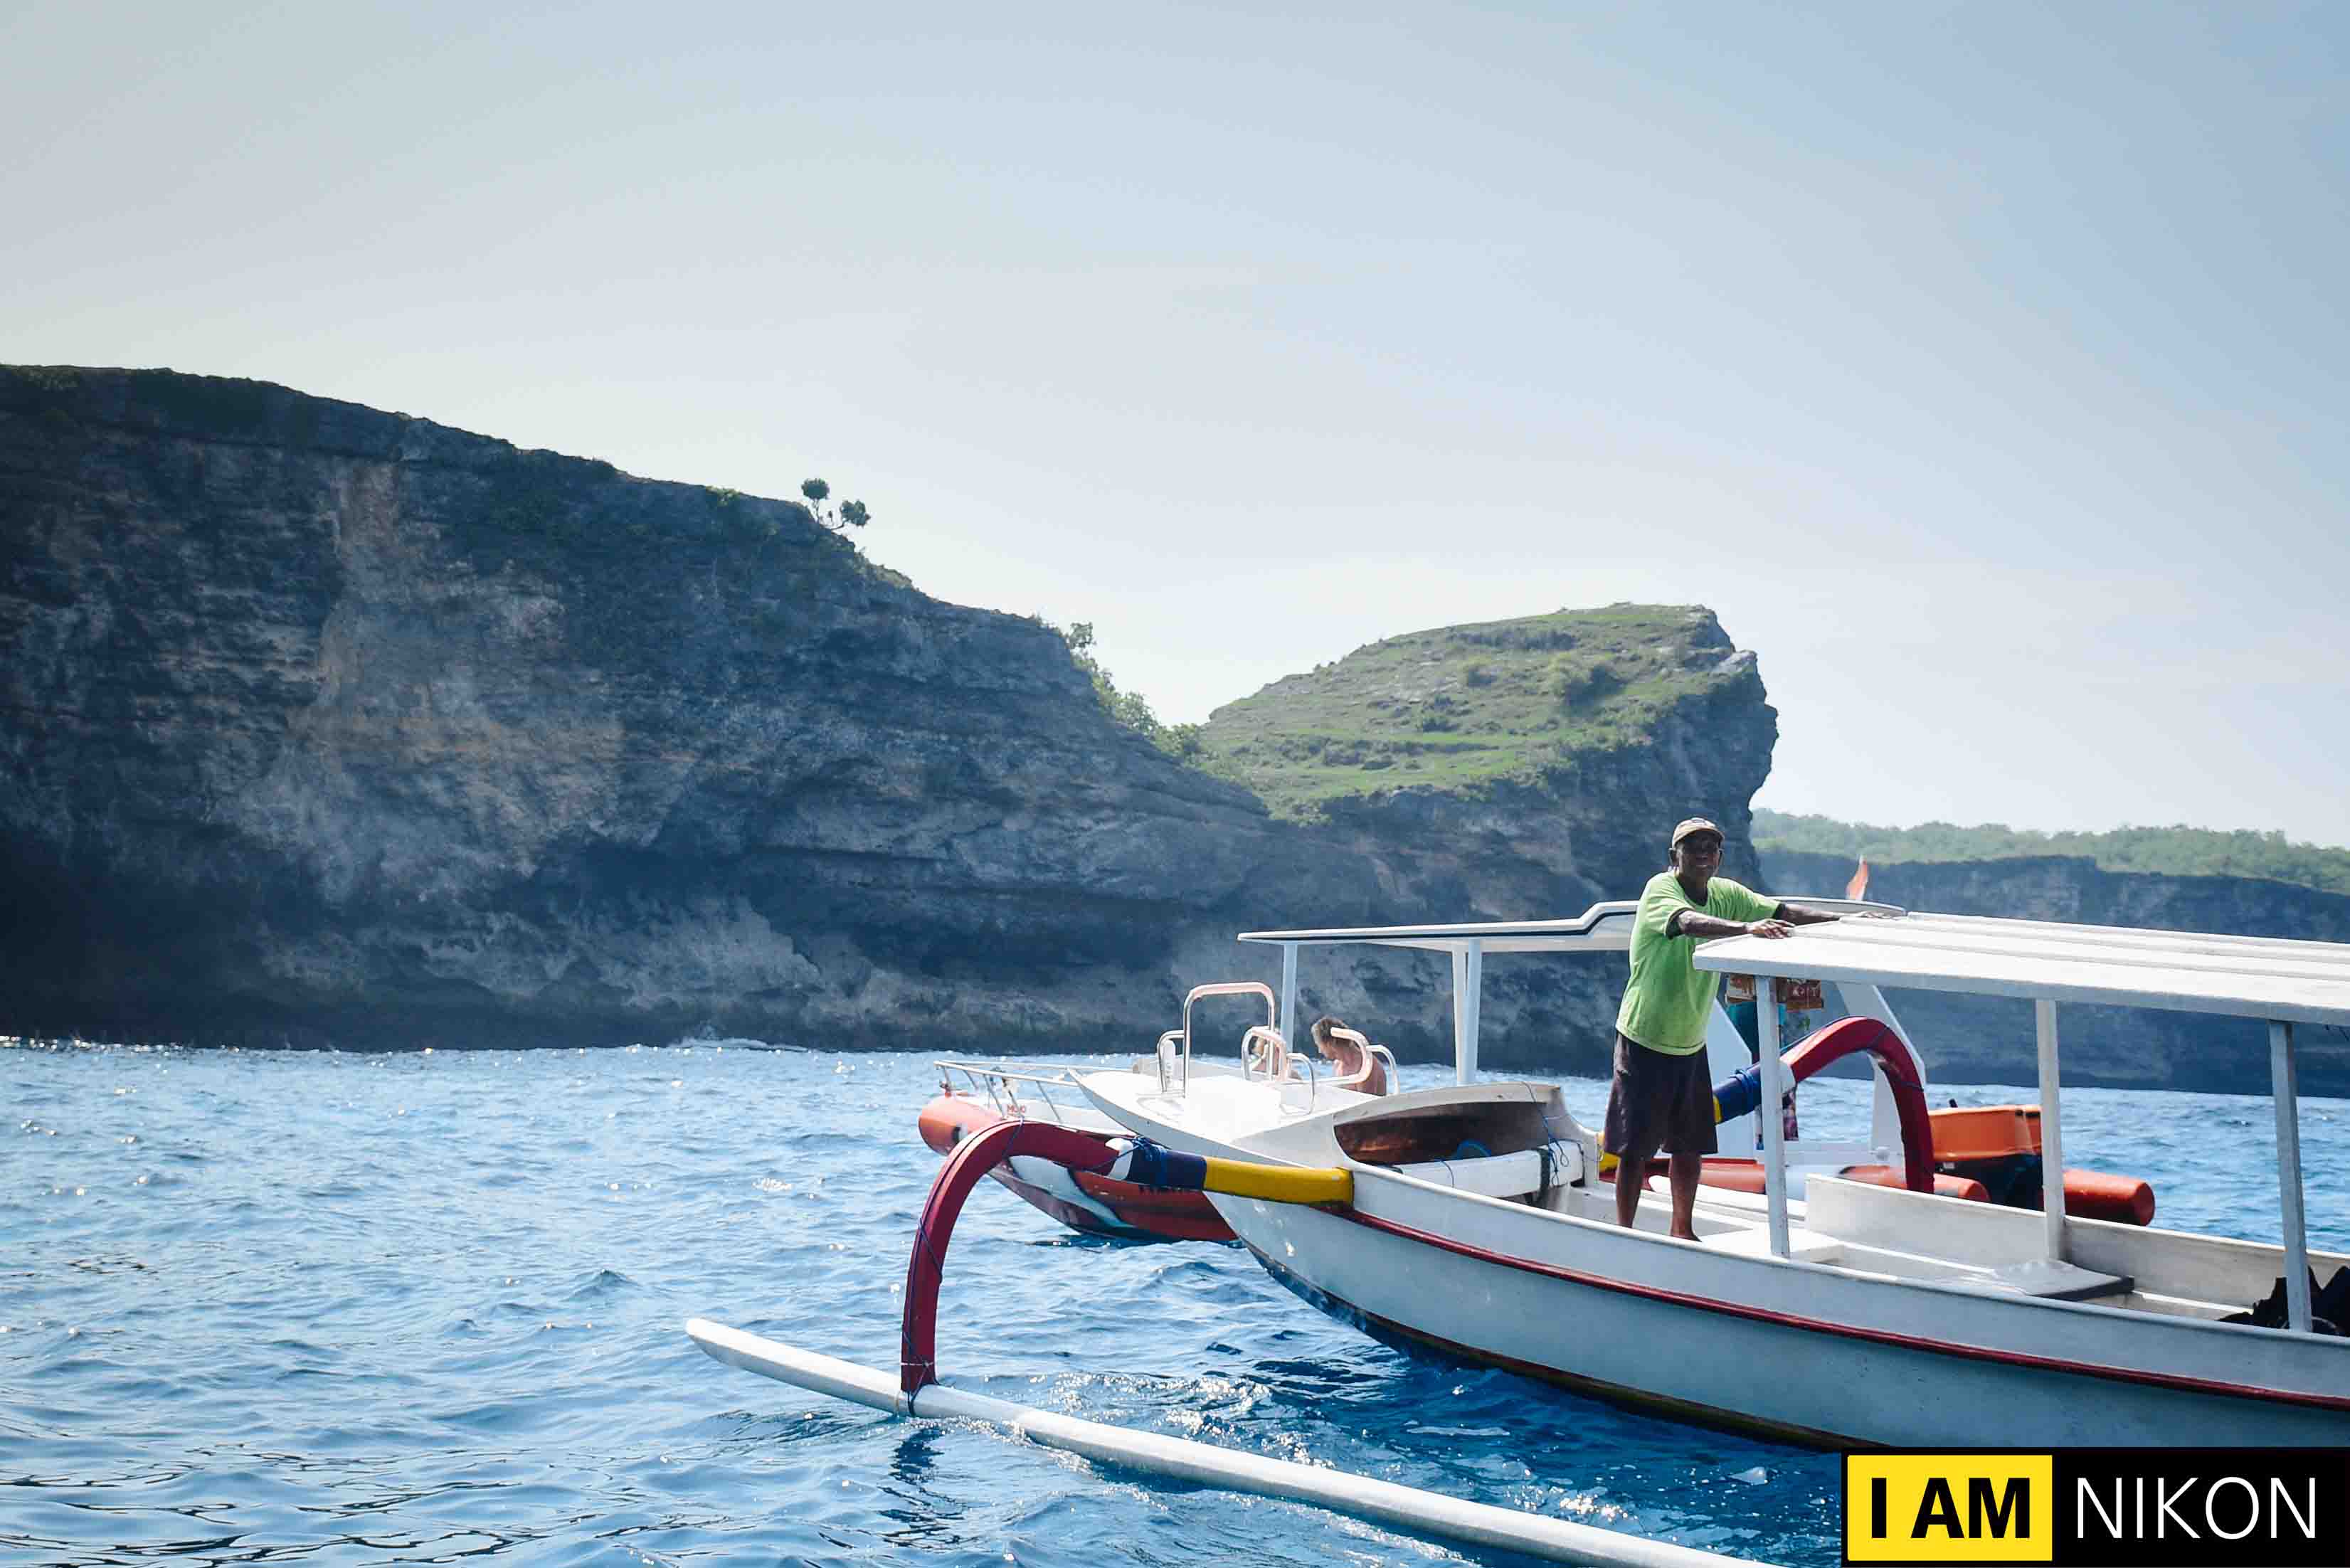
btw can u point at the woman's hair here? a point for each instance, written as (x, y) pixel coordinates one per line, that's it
(1320, 1033)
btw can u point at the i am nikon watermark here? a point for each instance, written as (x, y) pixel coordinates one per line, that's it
(2089, 1508)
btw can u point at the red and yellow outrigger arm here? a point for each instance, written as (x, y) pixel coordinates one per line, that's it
(1144, 1163)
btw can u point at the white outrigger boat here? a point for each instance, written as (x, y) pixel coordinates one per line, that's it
(1473, 1217)
(1855, 1315)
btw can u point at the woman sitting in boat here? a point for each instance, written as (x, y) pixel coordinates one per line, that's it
(1344, 1049)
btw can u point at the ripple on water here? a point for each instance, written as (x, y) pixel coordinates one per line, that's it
(411, 1306)
(602, 1284)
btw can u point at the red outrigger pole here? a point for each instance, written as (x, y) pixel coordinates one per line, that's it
(918, 1362)
(1849, 1036)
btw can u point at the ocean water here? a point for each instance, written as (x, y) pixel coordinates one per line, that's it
(286, 1307)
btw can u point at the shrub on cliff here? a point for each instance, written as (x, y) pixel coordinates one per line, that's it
(1180, 742)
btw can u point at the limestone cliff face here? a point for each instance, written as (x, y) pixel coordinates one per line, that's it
(326, 725)
(1990, 1040)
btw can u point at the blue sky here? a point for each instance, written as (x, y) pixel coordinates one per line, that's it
(1985, 366)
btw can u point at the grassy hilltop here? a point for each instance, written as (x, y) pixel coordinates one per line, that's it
(2175, 851)
(1458, 708)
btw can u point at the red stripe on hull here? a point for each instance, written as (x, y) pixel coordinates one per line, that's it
(1596, 1388)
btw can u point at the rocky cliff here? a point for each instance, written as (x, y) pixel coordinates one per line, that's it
(1529, 765)
(326, 725)
(1970, 1039)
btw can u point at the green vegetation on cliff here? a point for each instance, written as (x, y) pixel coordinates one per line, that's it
(1130, 709)
(2169, 851)
(1459, 708)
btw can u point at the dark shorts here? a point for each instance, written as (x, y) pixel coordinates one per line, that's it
(1659, 1102)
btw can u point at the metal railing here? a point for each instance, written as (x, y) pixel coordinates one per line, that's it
(1372, 1055)
(1000, 1081)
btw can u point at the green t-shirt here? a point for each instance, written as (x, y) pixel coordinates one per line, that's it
(1668, 997)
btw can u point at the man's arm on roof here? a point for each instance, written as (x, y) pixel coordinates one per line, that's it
(1698, 923)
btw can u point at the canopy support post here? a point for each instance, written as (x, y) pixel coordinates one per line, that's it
(1289, 991)
(1468, 985)
(1775, 1124)
(2284, 1076)
(2052, 1131)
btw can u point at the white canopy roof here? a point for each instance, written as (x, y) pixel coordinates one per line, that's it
(1602, 928)
(2184, 972)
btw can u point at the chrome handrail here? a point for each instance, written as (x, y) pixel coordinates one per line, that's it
(1277, 1057)
(1363, 1042)
(1163, 1053)
(1223, 988)
(1313, 1086)
(1026, 1071)
(996, 1079)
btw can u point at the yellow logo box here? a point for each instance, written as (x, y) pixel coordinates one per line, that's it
(1949, 1508)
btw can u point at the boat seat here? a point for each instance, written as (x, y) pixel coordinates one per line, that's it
(1496, 1175)
(1755, 1242)
(2050, 1280)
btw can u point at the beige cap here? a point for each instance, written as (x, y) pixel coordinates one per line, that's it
(1695, 824)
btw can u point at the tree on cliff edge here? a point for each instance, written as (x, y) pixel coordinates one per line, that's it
(852, 514)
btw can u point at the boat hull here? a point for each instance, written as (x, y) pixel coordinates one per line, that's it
(1661, 1325)
(1722, 1332)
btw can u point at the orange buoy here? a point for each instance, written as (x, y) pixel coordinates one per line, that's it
(2095, 1195)
(1945, 1185)
(1746, 1175)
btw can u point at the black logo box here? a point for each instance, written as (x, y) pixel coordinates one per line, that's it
(2284, 1508)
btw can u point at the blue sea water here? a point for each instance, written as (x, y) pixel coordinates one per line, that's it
(275, 1306)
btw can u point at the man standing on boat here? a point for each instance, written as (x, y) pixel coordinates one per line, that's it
(1662, 1096)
